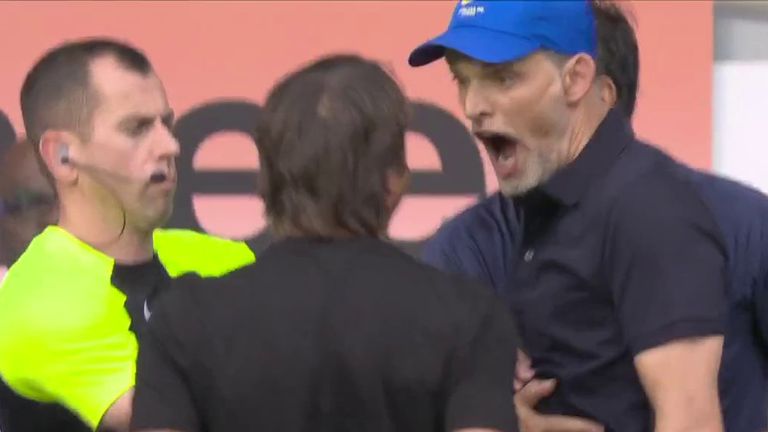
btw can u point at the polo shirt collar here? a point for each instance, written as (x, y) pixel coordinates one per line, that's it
(569, 184)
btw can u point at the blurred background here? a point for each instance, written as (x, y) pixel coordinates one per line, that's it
(703, 89)
(740, 91)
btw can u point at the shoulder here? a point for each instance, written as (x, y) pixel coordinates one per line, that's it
(55, 286)
(726, 195)
(475, 225)
(487, 213)
(52, 303)
(659, 209)
(456, 292)
(664, 190)
(192, 296)
(175, 240)
(185, 251)
(741, 212)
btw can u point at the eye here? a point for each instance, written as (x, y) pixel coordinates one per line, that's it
(504, 78)
(139, 128)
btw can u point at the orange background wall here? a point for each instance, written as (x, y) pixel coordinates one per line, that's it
(209, 51)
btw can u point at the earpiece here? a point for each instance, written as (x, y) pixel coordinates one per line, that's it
(64, 154)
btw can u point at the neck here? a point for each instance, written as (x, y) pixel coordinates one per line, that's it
(585, 124)
(107, 231)
(282, 232)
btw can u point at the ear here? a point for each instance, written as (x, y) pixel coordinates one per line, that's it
(398, 180)
(608, 92)
(51, 147)
(579, 75)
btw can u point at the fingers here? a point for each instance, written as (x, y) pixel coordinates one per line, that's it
(519, 385)
(522, 357)
(523, 370)
(534, 391)
(531, 421)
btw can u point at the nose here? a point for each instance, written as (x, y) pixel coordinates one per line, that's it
(476, 104)
(167, 144)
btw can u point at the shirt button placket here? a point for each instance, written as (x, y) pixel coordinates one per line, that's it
(528, 256)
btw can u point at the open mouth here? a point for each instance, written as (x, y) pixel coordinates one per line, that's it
(162, 180)
(503, 152)
(500, 146)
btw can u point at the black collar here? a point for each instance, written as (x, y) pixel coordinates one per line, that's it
(569, 184)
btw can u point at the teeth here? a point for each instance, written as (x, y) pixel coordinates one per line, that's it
(505, 157)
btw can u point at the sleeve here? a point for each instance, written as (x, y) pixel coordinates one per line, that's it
(96, 378)
(481, 371)
(665, 264)
(83, 371)
(437, 253)
(164, 395)
(453, 252)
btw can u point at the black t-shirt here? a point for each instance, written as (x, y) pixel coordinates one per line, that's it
(345, 335)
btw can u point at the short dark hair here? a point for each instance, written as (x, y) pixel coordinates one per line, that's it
(329, 135)
(57, 93)
(618, 56)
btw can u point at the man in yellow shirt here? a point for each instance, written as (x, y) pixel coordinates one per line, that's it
(74, 305)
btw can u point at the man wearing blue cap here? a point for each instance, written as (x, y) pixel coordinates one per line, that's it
(619, 286)
(743, 373)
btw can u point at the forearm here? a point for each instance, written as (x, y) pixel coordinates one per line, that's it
(118, 416)
(689, 408)
(680, 380)
(699, 414)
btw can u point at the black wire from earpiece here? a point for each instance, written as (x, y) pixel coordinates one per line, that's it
(67, 160)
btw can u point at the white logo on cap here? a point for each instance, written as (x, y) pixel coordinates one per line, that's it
(469, 11)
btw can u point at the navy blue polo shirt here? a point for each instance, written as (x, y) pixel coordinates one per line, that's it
(613, 255)
(480, 242)
(742, 214)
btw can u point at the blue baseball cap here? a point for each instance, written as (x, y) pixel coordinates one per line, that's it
(500, 31)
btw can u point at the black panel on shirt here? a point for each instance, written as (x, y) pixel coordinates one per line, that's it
(348, 335)
(19, 414)
(140, 283)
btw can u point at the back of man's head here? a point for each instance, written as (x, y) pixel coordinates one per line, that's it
(618, 55)
(330, 136)
(57, 92)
